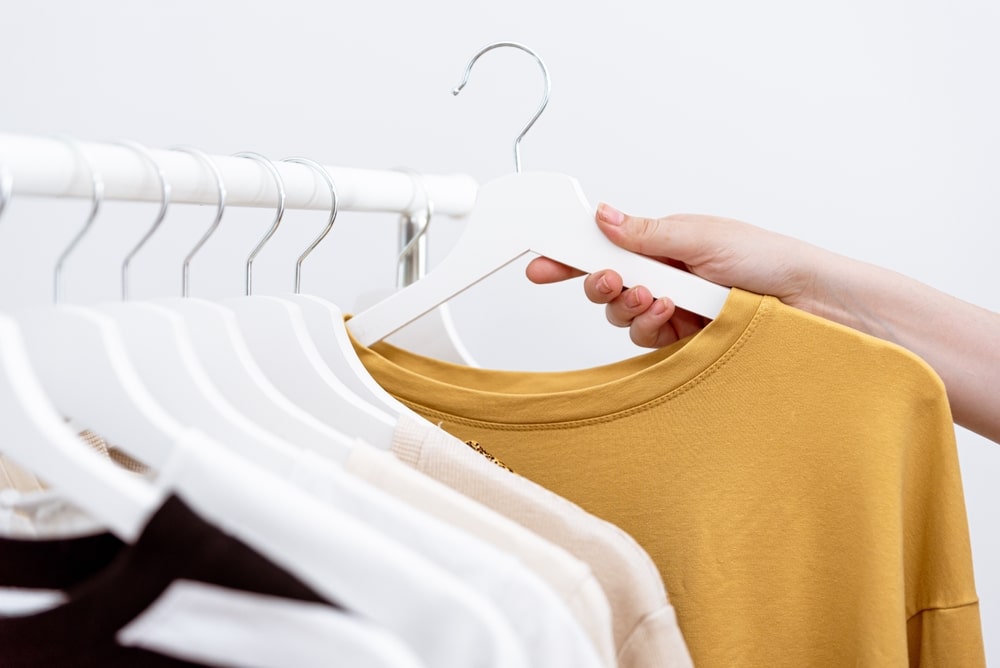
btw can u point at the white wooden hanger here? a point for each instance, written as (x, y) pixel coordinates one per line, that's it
(325, 320)
(217, 342)
(79, 358)
(163, 353)
(279, 339)
(156, 346)
(37, 438)
(160, 347)
(305, 537)
(534, 212)
(433, 334)
(284, 524)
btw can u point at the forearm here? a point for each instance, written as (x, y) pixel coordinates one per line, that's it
(960, 341)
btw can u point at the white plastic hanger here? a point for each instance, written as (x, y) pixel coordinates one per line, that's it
(433, 334)
(37, 438)
(160, 347)
(287, 526)
(79, 358)
(276, 332)
(163, 353)
(218, 343)
(534, 212)
(325, 320)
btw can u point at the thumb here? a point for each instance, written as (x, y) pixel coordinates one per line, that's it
(675, 237)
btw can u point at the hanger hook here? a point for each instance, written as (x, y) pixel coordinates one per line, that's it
(220, 188)
(160, 215)
(269, 165)
(413, 271)
(325, 174)
(96, 197)
(6, 187)
(541, 107)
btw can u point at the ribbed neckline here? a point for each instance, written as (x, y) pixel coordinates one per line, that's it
(494, 397)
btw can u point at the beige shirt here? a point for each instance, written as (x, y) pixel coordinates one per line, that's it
(646, 633)
(32, 513)
(570, 578)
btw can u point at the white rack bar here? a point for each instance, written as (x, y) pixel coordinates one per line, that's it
(49, 167)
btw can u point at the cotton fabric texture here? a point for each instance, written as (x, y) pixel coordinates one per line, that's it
(795, 481)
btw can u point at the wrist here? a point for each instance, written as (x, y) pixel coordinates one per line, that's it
(955, 338)
(846, 291)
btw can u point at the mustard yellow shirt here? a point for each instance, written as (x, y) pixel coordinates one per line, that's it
(796, 482)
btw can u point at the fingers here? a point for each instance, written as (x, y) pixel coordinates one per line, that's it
(701, 244)
(648, 319)
(603, 286)
(662, 324)
(651, 328)
(621, 310)
(544, 270)
(680, 237)
(686, 240)
(641, 235)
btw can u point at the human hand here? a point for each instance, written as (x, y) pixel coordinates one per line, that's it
(960, 343)
(721, 250)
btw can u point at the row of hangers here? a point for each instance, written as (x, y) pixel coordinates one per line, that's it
(267, 375)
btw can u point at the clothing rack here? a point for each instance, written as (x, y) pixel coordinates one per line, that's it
(52, 167)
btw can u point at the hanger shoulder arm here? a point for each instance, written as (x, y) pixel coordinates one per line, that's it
(535, 212)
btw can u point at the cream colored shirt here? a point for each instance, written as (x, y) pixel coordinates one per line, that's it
(28, 511)
(571, 579)
(645, 628)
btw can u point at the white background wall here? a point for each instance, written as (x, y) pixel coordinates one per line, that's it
(869, 127)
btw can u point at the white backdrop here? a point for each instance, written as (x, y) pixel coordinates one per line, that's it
(869, 127)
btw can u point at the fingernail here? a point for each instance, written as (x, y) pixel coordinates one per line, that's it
(602, 286)
(610, 215)
(633, 299)
(659, 307)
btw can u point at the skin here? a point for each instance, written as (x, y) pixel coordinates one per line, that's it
(959, 340)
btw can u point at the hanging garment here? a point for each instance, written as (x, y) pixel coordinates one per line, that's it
(43, 514)
(571, 579)
(544, 626)
(429, 609)
(434, 613)
(646, 634)
(185, 594)
(795, 481)
(48, 515)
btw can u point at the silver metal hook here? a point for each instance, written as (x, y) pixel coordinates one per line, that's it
(541, 107)
(97, 196)
(220, 187)
(160, 215)
(411, 263)
(6, 187)
(322, 171)
(269, 164)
